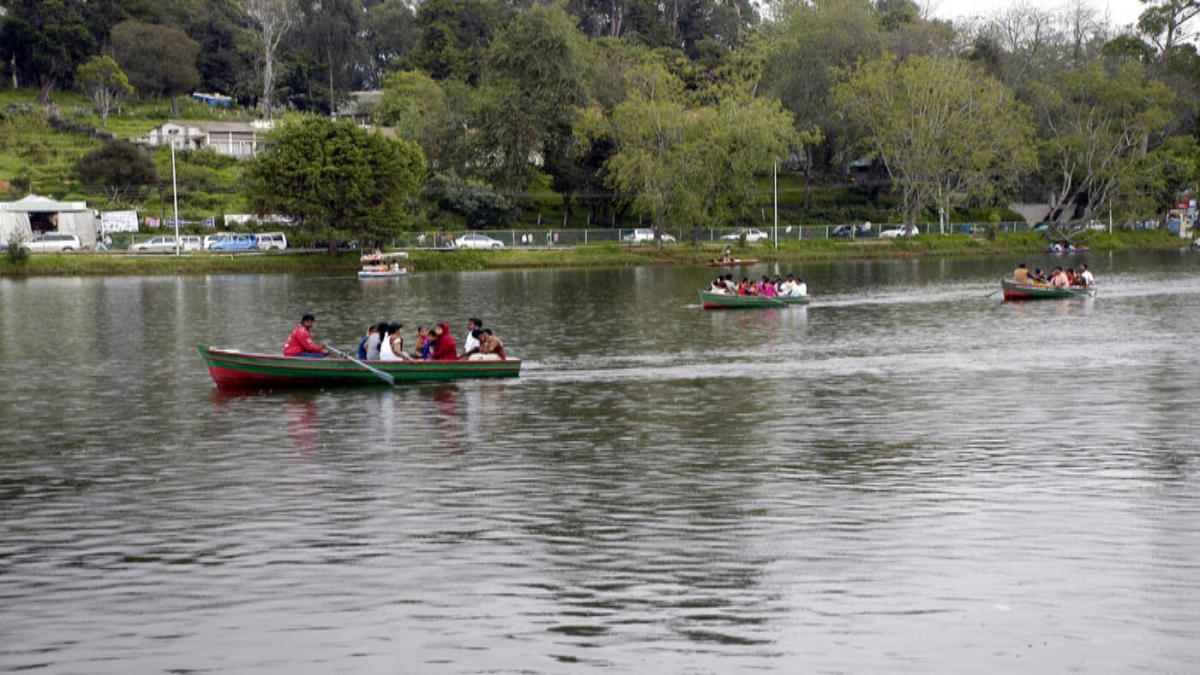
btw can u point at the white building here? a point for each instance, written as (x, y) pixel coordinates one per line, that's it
(236, 139)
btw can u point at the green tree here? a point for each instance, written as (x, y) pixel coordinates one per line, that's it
(118, 169)
(420, 109)
(43, 41)
(680, 162)
(390, 36)
(157, 59)
(1095, 128)
(336, 178)
(533, 84)
(454, 36)
(811, 44)
(331, 33)
(103, 82)
(941, 127)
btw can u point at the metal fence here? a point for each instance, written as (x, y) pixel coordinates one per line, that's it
(530, 238)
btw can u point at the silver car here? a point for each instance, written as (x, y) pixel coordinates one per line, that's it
(476, 240)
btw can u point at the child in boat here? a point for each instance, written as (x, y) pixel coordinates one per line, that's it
(717, 286)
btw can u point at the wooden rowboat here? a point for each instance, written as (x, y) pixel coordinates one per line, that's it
(728, 301)
(1015, 291)
(232, 369)
(732, 263)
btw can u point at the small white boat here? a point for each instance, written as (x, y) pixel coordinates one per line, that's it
(382, 265)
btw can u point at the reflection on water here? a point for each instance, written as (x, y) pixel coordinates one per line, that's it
(904, 470)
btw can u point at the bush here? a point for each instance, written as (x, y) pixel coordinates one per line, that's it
(17, 252)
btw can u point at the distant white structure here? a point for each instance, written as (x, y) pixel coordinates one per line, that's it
(43, 215)
(236, 139)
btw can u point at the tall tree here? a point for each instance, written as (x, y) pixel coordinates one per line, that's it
(1163, 21)
(103, 82)
(274, 18)
(454, 36)
(336, 178)
(811, 45)
(43, 41)
(1094, 125)
(534, 83)
(157, 59)
(331, 29)
(941, 127)
(390, 35)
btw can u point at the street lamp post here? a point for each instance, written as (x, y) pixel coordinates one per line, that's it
(175, 189)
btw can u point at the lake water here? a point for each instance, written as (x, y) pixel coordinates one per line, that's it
(907, 476)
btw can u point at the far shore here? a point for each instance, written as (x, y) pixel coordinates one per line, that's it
(601, 255)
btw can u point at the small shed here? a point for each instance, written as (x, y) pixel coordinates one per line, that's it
(47, 215)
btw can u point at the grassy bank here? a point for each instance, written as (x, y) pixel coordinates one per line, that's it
(600, 255)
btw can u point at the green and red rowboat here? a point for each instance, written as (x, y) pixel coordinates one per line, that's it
(728, 301)
(1015, 291)
(232, 369)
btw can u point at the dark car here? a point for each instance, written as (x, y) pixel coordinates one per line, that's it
(848, 231)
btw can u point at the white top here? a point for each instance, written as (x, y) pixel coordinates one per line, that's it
(373, 347)
(1087, 277)
(800, 290)
(385, 350)
(470, 342)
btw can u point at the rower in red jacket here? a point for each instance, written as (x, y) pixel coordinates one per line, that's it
(300, 342)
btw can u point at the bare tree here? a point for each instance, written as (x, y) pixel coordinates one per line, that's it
(274, 19)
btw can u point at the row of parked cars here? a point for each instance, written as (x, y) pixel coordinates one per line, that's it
(229, 241)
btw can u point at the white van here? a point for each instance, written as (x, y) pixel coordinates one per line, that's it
(272, 240)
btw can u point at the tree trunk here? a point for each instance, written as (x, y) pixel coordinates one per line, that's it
(43, 97)
(268, 83)
(329, 58)
(175, 105)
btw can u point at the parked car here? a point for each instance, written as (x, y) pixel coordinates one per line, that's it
(235, 242)
(897, 231)
(851, 231)
(167, 244)
(476, 240)
(272, 241)
(752, 235)
(53, 243)
(644, 234)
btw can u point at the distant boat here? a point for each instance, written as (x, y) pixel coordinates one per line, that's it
(233, 369)
(730, 301)
(375, 265)
(731, 263)
(1014, 291)
(1069, 248)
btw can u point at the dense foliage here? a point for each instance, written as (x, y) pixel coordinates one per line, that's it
(671, 113)
(336, 180)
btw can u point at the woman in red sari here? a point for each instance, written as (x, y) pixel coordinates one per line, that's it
(444, 346)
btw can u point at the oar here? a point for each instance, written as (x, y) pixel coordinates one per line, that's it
(378, 373)
(993, 293)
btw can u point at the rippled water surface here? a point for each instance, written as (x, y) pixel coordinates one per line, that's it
(908, 475)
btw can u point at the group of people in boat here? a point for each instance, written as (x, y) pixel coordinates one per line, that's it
(1058, 277)
(384, 341)
(791, 287)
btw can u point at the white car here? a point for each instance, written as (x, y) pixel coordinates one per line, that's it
(476, 240)
(898, 231)
(641, 234)
(752, 235)
(273, 241)
(53, 243)
(167, 244)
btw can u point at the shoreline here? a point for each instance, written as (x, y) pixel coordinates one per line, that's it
(601, 255)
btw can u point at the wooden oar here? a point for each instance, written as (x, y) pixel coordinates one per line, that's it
(993, 293)
(378, 373)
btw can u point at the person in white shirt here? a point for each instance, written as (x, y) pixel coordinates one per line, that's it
(471, 342)
(1086, 275)
(800, 290)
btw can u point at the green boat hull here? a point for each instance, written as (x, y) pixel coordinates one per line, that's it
(726, 301)
(1014, 291)
(232, 369)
